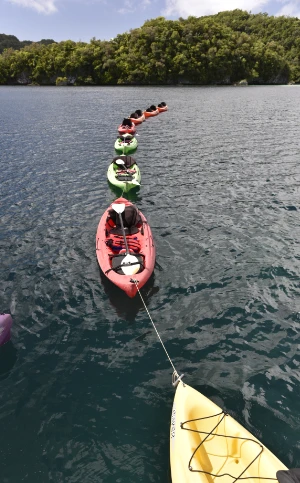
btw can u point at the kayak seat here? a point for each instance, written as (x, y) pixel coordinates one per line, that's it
(126, 171)
(124, 177)
(128, 160)
(130, 217)
(126, 140)
(128, 231)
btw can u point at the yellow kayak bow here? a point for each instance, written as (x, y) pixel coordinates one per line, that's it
(209, 446)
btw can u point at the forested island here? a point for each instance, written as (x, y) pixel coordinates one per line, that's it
(11, 41)
(221, 49)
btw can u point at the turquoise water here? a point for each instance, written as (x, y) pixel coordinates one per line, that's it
(85, 387)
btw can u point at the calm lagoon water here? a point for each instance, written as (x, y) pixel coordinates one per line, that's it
(85, 387)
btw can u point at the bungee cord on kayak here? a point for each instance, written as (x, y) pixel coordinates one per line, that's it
(211, 433)
(177, 381)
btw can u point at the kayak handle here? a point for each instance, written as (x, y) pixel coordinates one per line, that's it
(176, 379)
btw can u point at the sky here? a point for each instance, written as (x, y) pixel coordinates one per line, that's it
(81, 20)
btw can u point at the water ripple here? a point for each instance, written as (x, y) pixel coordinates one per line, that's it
(85, 385)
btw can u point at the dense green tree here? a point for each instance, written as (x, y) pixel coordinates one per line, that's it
(215, 49)
(10, 41)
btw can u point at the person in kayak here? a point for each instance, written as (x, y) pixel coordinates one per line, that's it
(127, 122)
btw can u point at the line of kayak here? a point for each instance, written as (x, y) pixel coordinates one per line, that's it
(124, 242)
(126, 143)
(206, 444)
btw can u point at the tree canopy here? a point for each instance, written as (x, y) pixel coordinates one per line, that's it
(12, 42)
(216, 49)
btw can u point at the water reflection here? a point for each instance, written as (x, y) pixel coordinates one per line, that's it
(125, 306)
(8, 358)
(131, 195)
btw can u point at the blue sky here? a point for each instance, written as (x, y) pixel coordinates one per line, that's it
(104, 19)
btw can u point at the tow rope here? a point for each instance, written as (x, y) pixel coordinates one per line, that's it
(175, 378)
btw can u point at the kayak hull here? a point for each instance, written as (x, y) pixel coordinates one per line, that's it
(127, 129)
(5, 326)
(162, 109)
(124, 185)
(105, 253)
(216, 455)
(123, 147)
(137, 120)
(151, 114)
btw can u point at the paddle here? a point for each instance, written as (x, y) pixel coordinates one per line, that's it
(120, 162)
(130, 262)
(127, 134)
(124, 140)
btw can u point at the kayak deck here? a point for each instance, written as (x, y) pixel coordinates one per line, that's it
(124, 179)
(126, 146)
(110, 248)
(208, 445)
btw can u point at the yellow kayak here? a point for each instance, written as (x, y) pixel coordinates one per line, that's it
(209, 446)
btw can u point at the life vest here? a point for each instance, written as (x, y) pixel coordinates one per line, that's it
(116, 243)
(124, 171)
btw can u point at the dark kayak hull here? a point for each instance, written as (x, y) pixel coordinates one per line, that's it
(5, 326)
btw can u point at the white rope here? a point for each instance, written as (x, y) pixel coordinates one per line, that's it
(175, 372)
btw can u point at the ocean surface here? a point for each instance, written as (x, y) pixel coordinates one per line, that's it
(85, 386)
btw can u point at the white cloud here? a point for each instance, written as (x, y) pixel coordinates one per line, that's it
(41, 6)
(130, 6)
(184, 8)
(290, 9)
(198, 8)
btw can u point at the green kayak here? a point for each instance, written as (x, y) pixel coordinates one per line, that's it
(126, 144)
(124, 173)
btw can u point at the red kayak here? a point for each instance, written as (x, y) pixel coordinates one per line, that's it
(120, 264)
(162, 107)
(127, 127)
(151, 111)
(137, 117)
